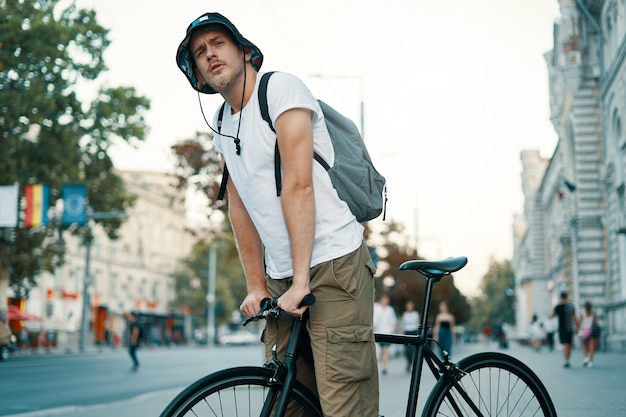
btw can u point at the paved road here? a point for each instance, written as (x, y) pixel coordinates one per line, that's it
(576, 392)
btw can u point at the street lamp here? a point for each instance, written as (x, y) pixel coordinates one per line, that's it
(84, 323)
(573, 228)
(210, 297)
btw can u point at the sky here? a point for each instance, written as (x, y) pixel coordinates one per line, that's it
(453, 91)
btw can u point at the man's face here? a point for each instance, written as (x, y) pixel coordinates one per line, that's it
(219, 60)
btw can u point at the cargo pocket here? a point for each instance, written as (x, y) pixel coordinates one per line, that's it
(370, 265)
(349, 353)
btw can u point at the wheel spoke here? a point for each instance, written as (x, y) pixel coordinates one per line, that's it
(491, 385)
(238, 392)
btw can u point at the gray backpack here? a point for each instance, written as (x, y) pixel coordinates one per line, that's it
(353, 175)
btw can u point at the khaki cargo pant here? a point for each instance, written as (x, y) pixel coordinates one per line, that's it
(342, 337)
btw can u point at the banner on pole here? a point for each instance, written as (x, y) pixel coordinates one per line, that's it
(8, 205)
(37, 204)
(74, 204)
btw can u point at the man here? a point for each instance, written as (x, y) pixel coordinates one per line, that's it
(385, 321)
(304, 241)
(133, 340)
(410, 326)
(566, 314)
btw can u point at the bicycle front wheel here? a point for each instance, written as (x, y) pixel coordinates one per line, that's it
(243, 391)
(491, 384)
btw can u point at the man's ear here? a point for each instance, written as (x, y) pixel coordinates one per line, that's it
(199, 80)
(247, 53)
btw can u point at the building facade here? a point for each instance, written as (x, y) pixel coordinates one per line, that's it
(570, 236)
(132, 273)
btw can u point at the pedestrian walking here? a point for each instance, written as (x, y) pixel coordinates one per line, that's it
(134, 333)
(445, 327)
(385, 321)
(498, 331)
(294, 240)
(549, 327)
(588, 323)
(536, 333)
(566, 314)
(410, 326)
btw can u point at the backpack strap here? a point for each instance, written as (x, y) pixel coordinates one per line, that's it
(265, 114)
(222, 191)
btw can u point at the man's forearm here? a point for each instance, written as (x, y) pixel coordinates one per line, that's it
(249, 247)
(299, 210)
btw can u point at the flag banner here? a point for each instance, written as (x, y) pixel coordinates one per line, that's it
(8, 205)
(74, 204)
(37, 204)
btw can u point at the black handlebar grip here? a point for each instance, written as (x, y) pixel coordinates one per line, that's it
(308, 300)
(265, 303)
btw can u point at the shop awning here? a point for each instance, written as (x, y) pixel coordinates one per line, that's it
(16, 314)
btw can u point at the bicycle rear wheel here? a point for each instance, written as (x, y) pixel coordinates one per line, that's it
(496, 384)
(239, 392)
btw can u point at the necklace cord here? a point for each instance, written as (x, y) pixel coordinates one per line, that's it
(243, 96)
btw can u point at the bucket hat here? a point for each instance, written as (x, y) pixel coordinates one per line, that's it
(185, 61)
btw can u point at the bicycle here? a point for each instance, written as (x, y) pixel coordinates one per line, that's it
(483, 384)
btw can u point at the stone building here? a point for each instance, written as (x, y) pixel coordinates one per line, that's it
(131, 273)
(570, 236)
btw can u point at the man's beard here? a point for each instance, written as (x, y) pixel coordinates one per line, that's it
(225, 80)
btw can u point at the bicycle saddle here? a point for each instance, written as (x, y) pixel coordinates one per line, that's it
(435, 268)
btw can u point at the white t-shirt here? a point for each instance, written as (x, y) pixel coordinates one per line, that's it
(410, 321)
(385, 320)
(337, 231)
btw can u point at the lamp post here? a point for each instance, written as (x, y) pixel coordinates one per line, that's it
(84, 323)
(573, 229)
(211, 295)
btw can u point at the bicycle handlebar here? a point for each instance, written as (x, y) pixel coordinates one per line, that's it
(269, 307)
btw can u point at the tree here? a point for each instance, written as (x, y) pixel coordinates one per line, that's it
(192, 282)
(199, 165)
(496, 301)
(408, 285)
(50, 134)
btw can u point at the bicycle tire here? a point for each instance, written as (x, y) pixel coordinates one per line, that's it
(235, 392)
(498, 384)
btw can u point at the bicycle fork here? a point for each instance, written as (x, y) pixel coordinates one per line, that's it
(288, 369)
(451, 372)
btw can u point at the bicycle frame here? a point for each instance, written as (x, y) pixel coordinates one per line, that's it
(288, 368)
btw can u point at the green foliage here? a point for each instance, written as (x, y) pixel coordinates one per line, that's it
(408, 285)
(197, 158)
(50, 133)
(199, 164)
(497, 299)
(192, 283)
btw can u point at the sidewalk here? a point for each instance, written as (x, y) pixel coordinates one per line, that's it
(580, 391)
(575, 392)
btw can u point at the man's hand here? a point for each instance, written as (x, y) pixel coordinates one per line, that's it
(252, 303)
(290, 301)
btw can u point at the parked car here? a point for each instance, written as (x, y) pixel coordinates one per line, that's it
(7, 341)
(240, 338)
